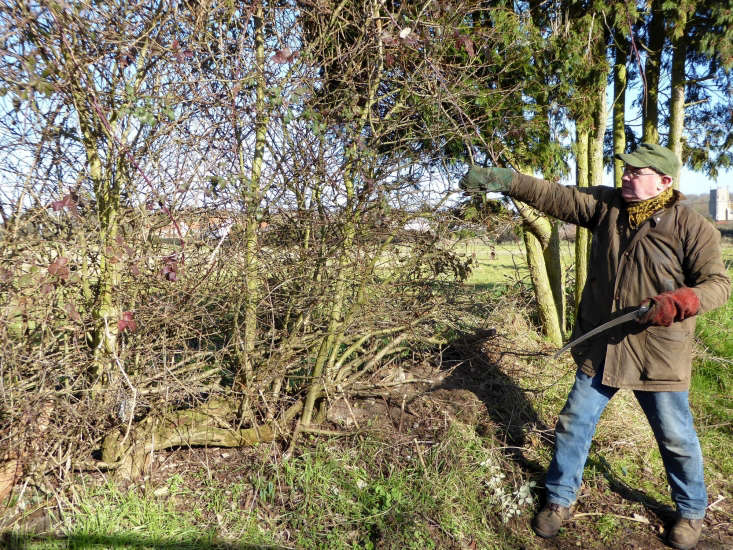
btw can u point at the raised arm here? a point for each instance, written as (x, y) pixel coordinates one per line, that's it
(580, 206)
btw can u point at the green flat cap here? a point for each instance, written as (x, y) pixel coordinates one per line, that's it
(654, 156)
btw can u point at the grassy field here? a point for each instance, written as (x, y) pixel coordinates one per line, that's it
(452, 477)
(505, 266)
(711, 393)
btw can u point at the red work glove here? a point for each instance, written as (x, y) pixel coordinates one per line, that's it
(669, 307)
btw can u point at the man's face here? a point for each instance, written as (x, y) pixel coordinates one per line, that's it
(638, 184)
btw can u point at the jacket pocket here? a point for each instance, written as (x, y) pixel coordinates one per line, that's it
(668, 353)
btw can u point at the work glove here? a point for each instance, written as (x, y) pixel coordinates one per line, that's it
(668, 307)
(483, 180)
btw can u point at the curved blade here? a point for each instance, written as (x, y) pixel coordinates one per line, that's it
(600, 328)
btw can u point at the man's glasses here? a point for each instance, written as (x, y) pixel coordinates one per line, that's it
(636, 172)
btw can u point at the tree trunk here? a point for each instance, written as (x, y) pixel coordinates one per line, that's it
(595, 143)
(581, 234)
(130, 452)
(619, 105)
(652, 69)
(105, 311)
(555, 273)
(546, 304)
(677, 99)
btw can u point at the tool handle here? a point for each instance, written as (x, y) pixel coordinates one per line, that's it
(642, 310)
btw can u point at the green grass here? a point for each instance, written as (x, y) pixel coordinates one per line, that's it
(336, 495)
(505, 268)
(712, 384)
(507, 264)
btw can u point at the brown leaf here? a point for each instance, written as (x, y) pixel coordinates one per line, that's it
(389, 40)
(283, 56)
(467, 43)
(111, 254)
(127, 322)
(59, 268)
(170, 269)
(70, 309)
(68, 201)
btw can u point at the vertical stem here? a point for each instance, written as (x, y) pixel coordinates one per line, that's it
(251, 188)
(652, 69)
(543, 290)
(553, 261)
(351, 168)
(581, 235)
(677, 98)
(619, 105)
(107, 193)
(598, 131)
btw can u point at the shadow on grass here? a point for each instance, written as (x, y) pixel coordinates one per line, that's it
(505, 402)
(663, 512)
(14, 541)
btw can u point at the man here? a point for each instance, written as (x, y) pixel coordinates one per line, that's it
(647, 248)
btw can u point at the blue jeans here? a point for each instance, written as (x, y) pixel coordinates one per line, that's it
(671, 421)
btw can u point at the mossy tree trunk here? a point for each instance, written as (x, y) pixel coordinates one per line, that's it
(547, 282)
(106, 189)
(598, 131)
(555, 273)
(619, 104)
(680, 43)
(582, 237)
(652, 70)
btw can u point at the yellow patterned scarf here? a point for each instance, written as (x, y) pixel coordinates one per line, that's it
(641, 211)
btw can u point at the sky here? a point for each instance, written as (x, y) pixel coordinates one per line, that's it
(694, 183)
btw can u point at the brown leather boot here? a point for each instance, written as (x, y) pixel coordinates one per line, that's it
(685, 533)
(548, 522)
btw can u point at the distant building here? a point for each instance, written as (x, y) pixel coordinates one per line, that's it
(721, 207)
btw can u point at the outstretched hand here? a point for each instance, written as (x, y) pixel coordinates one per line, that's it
(479, 179)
